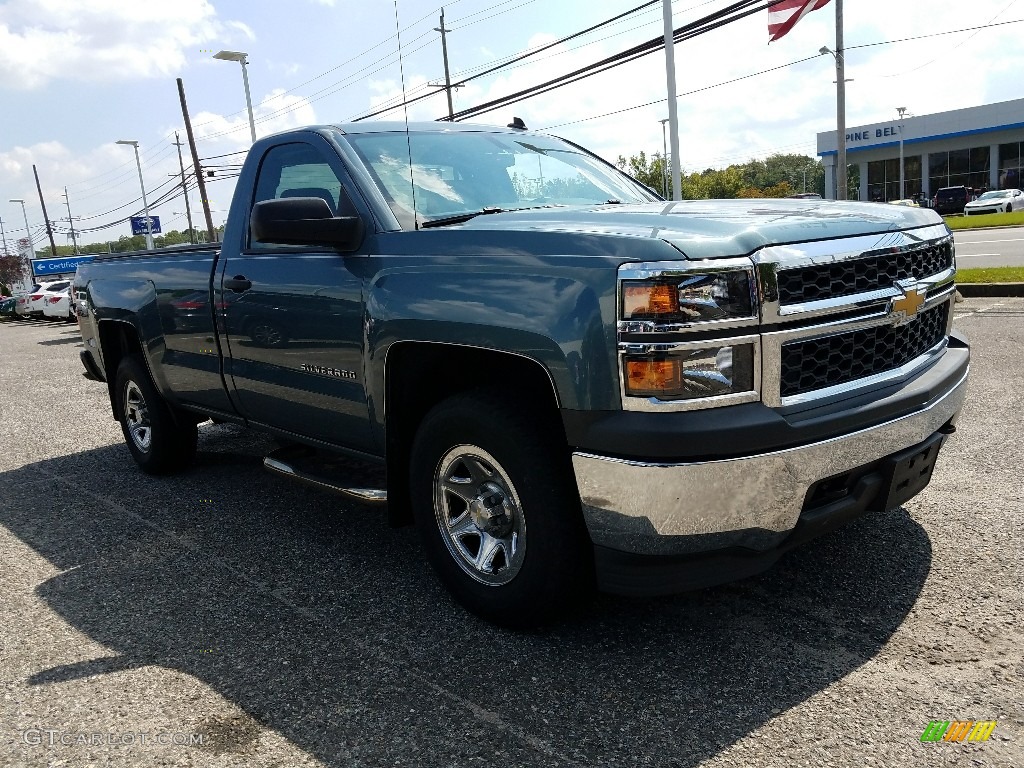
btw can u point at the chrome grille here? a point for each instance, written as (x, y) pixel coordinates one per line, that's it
(826, 361)
(868, 273)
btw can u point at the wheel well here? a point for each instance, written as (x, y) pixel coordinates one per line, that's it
(118, 340)
(419, 375)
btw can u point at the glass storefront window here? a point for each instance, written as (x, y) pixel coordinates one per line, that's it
(1011, 165)
(967, 167)
(884, 178)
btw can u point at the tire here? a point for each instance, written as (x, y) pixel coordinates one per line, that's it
(1009, 208)
(160, 441)
(526, 564)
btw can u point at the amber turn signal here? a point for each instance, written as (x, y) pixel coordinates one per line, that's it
(652, 377)
(649, 299)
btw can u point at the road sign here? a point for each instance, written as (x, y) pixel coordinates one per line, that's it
(58, 266)
(139, 225)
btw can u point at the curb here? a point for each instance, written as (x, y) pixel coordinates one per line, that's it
(971, 290)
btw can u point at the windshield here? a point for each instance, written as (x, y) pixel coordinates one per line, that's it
(464, 172)
(995, 193)
(953, 192)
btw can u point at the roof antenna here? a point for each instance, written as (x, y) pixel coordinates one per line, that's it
(405, 112)
(517, 123)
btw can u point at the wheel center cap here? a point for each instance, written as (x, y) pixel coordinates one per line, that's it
(490, 511)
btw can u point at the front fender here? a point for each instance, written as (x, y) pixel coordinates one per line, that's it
(561, 316)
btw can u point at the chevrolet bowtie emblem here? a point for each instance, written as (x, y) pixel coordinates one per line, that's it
(904, 308)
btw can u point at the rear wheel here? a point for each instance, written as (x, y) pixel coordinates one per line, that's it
(1009, 208)
(498, 511)
(160, 441)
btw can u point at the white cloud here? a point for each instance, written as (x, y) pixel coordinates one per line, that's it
(103, 40)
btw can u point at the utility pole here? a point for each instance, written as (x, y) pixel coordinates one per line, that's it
(184, 189)
(3, 235)
(840, 105)
(447, 78)
(42, 203)
(71, 222)
(673, 114)
(195, 162)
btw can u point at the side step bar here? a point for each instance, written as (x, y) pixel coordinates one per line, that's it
(334, 473)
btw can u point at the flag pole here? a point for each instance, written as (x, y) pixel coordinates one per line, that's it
(840, 106)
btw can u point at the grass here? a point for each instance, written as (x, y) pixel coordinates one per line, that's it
(988, 220)
(991, 274)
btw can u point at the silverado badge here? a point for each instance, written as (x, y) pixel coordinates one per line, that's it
(904, 308)
(321, 370)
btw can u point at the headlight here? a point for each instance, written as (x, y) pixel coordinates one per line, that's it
(675, 372)
(690, 298)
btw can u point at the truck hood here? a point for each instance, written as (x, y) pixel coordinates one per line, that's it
(706, 229)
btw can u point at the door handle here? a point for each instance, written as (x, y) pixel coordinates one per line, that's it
(238, 283)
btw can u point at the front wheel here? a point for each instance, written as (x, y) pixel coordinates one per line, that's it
(160, 441)
(498, 511)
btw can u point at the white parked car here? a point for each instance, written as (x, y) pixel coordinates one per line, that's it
(996, 201)
(59, 305)
(40, 293)
(23, 304)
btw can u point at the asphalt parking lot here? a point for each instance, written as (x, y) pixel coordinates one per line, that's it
(226, 617)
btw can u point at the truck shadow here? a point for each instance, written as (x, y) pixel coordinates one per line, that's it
(320, 622)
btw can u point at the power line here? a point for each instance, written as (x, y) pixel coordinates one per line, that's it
(773, 69)
(727, 15)
(533, 52)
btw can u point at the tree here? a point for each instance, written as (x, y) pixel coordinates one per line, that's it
(12, 268)
(648, 172)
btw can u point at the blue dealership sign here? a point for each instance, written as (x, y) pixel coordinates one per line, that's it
(58, 266)
(139, 225)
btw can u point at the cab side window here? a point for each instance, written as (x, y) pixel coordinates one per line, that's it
(299, 170)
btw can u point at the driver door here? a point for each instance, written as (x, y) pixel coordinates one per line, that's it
(293, 314)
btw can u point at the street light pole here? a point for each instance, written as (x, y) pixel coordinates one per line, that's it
(902, 111)
(145, 205)
(673, 113)
(243, 59)
(664, 160)
(28, 235)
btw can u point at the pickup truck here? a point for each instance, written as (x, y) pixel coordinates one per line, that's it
(564, 381)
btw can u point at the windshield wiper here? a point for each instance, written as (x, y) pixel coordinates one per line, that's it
(459, 218)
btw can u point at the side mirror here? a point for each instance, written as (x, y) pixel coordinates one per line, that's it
(304, 221)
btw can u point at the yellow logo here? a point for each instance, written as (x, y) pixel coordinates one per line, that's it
(904, 309)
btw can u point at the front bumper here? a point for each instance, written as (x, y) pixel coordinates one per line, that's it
(754, 502)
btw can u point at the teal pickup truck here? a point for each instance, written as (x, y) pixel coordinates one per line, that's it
(562, 380)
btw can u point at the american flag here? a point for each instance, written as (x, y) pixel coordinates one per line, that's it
(784, 15)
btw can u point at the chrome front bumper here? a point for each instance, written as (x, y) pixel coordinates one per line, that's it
(752, 501)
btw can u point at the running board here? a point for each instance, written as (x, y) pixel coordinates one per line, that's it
(335, 474)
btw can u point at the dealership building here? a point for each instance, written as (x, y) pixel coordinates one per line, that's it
(978, 147)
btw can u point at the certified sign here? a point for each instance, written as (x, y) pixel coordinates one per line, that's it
(58, 266)
(139, 225)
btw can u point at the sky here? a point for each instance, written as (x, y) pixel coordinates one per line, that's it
(78, 75)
